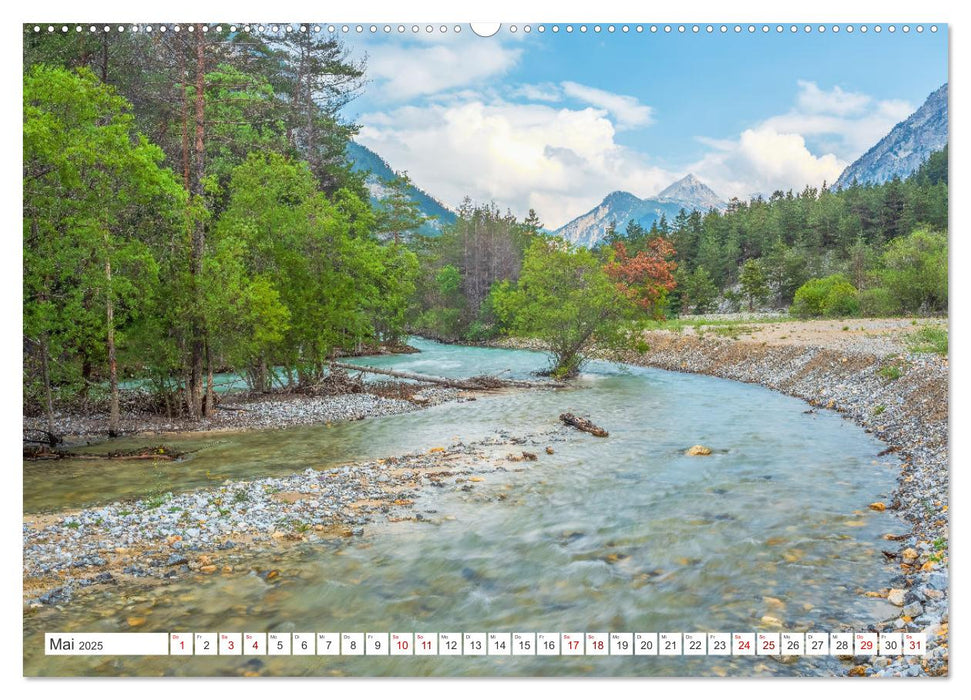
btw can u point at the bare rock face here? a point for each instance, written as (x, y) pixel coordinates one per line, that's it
(906, 147)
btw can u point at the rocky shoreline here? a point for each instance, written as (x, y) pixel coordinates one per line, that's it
(218, 530)
(902, 398)
(272, 411)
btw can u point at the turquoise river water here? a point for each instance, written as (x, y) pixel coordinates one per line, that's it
(775, 523)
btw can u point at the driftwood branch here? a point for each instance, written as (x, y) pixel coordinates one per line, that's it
(46, 437)
(481, 382)
(583, 424)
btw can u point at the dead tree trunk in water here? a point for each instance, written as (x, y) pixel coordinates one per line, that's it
(583, 424)
(470, 383)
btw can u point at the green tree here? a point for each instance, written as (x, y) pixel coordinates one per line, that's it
(397, 214)
(829, 296)
(565, 298)
(697, 292)
(89, 180)
(754, 285)
(915, 271)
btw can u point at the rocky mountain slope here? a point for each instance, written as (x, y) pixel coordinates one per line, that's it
(621, 207)
(906, 147)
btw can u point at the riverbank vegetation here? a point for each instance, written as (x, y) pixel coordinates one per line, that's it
(189, 209)
(864, 251)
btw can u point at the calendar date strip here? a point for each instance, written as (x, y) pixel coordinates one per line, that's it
(485, 644)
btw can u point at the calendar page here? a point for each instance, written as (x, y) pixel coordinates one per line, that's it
(499, 350)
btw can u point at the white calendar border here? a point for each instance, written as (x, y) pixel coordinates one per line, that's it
(380, 10)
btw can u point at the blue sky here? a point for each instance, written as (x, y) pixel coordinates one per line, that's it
(555, 121)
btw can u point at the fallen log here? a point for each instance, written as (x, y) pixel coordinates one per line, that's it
(160, 453)
(47, 437)
(480, 382)
(583, 424)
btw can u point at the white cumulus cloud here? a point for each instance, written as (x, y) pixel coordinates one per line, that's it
(763, 160)
(811, 143)
(559, 161)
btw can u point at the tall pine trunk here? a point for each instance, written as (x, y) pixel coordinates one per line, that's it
(45, 370)
(114, 418)
(198, 341)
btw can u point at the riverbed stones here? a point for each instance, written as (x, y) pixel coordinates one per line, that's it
(896, 596)
(913, 423)
(698, 451)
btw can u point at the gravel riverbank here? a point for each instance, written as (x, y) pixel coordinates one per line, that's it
(216, 530)
(273, 411)
(901, 397)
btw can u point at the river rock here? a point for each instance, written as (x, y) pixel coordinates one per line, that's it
(909, 555)
(913, 609)
(896, 597)
(698, 451)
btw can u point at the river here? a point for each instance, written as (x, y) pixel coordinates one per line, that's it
(774, 523)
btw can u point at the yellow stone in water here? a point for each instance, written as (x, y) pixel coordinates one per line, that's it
(773, 602)
(210, 569)
(771, 621)
(136, 621)
(437, 449)
(878, 506)
(698, 451)
(476, 478)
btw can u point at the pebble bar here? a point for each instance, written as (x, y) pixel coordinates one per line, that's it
(486, 644)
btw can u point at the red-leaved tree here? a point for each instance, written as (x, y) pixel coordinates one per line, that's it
(645, 278)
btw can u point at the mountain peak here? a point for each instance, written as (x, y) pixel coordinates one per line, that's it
(691, 191)
(619, 195)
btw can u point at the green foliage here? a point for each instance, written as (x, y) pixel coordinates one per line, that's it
(829, 296)
(890, 371)
(877, 302)
(398, 216)
(929, 339)
(565, 298)
(810, 234)
(460, 268)
(696, 291)
(275, 263)
(315, 277)
(753, 282)
(915, 271)
(96, 203)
